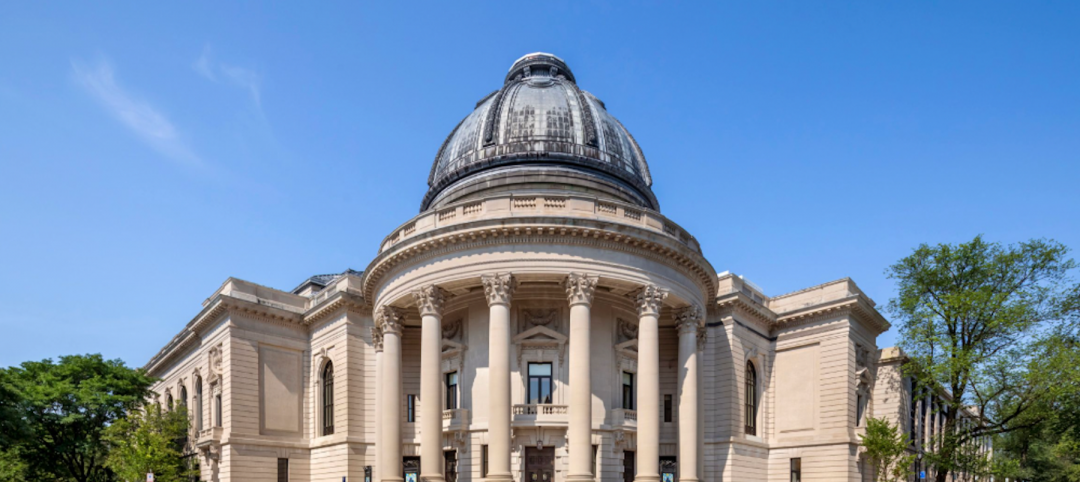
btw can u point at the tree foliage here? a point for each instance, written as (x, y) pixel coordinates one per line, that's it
(149, 440)
(61, 411)
(886, 449)
(989, 324)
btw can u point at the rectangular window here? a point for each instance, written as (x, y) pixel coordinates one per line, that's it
(667, 408)
(912, 411)
(595, 449)
(539, 383)
(451, 391)
(410, 408)
(483, 461)
(796, 470)
(628, 390)
(282, 470)
(858, 409)
(217, 410)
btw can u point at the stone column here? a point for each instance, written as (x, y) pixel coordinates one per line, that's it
(579, 291)
(688, 321)
(499, 288)
(390, 441)
(649, 300)
(429, 300)
(377, 343)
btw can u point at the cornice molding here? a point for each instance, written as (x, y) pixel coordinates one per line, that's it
(350, 302)
(627, 239)
(858, 307)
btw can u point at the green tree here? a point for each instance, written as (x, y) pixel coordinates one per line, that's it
(886, 448)
(149, 440)
(64, 408)
(988, 324)
(12, 468)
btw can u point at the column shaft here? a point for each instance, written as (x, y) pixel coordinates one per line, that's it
(390, 451)
(499, 289)
(579, 291)
(688, 397)
(377, 344)
(648, 431)
(429, 299)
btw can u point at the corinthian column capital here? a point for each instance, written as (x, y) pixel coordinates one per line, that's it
(377, 337)
(429, 299)
(688, 319)
(389, 320)
(650, 299)
(580, 288)
(498, 288)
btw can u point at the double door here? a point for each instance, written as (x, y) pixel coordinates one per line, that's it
(539, 464)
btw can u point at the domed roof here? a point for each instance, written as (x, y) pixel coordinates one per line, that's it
(541, 118)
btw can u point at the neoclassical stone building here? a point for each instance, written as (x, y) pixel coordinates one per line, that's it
(538, 320)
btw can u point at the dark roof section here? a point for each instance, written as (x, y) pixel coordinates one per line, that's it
(322, 280)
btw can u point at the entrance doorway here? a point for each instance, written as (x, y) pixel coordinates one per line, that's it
(629, 470)
(539, 464)
(411, 469)
(669, 469)
(450, 469)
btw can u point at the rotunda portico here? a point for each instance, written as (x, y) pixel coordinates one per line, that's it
(540, 211)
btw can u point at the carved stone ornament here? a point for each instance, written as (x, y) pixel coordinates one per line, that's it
(540, 317)
(861, 356)
(429, 299)
(580, 288)
(376, 337)
(498, 288)
(390, 320)
(619, 441)
(702, 338)
(650, 299)
(216, 367)
(461, 441)
(627, 330)
(450, 330)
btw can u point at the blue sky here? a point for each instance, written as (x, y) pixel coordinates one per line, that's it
(150, 152)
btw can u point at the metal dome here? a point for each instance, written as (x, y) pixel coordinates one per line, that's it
(541, 118)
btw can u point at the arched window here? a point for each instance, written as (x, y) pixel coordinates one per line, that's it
(183, 395)
(198, 403)
(168, 400)
(328, 399)
(751, 399)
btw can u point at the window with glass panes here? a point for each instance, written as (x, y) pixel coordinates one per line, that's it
(451, 390)
(628, 390)
(540, 383)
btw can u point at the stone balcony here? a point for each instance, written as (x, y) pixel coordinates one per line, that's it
(209, 436)
(624, 418)
(455, 419)
(532, 415)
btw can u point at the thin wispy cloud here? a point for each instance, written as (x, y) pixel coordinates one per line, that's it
(242, 77)
(153, 127)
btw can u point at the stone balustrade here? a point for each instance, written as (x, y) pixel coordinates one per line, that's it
(517, 205)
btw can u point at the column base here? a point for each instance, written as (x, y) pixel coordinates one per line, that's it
(684, 479)
(392, 479)
(580, 478)
(647, 478)
(436, 478)
(498, 477)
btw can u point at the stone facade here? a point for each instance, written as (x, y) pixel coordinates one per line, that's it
(539, 317)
